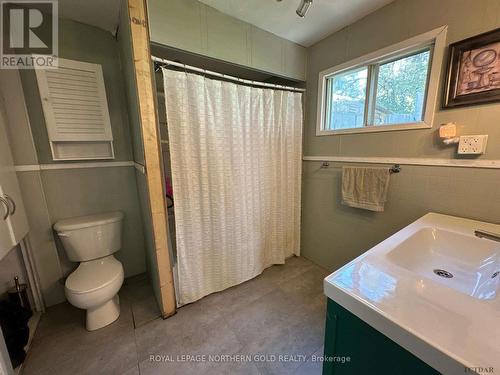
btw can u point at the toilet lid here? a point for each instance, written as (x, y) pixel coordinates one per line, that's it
(94, 275)
(87, 221)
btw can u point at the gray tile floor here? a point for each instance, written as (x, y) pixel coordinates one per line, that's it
(139, 293)
(281, 312)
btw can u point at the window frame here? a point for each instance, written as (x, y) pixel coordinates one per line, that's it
(435, 39)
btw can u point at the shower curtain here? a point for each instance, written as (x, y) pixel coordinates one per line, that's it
(236, 168)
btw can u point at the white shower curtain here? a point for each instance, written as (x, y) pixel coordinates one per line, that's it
(236, 168)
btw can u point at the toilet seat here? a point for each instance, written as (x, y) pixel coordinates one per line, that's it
(94, 275)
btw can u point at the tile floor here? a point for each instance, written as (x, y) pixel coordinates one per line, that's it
(139, 293)
(281, 311)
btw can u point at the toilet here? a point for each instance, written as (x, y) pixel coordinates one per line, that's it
(94, 285)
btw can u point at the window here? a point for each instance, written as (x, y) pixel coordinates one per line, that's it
(399, 96)
(346, 99)
(391, 89)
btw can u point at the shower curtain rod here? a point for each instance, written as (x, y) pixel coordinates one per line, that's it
(224, 76)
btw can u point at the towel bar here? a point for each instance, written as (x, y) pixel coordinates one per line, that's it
(396, 168)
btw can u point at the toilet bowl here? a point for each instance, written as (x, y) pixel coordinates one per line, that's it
(94, 285)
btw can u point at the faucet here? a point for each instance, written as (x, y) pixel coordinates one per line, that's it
(488, 235)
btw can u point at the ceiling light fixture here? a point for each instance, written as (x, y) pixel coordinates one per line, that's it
(303, 7)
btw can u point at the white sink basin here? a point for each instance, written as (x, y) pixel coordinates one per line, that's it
(465, 263)
(400, 288)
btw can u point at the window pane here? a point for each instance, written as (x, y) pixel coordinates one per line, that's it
(346, 99)
(401, 90)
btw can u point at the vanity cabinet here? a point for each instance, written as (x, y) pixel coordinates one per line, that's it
(370, 351)
(13, 221)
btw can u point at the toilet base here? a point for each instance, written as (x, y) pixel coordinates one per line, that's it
(103, 315)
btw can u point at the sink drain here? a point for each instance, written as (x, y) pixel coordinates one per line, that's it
(443, 273)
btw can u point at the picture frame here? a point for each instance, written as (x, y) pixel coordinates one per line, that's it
(473, 72)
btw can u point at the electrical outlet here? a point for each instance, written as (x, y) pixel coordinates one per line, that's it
(472, 144)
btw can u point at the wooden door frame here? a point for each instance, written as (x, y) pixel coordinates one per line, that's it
(143, 71)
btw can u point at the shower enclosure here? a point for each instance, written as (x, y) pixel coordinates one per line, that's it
(233, 155)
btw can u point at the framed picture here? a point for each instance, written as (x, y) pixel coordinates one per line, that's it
(473, 75)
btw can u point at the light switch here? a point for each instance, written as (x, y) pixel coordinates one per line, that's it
(472, 144)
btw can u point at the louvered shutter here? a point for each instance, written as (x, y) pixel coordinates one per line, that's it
(76, 111)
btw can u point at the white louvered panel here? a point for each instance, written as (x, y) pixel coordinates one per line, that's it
(76, 110)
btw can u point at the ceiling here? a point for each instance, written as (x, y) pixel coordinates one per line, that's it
(278, 17)
(103, 14)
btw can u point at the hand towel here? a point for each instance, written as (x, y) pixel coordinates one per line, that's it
(365, 188)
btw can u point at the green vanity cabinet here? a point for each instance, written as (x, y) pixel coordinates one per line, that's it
(369, 351)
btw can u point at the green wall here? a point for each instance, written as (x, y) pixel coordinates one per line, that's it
(128, 75)
(82, 42)
(190, 25)
(40, 235)
(333, 234)
(70, 192)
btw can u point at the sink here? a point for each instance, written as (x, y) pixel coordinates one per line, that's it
(465, 263)
(431, 288)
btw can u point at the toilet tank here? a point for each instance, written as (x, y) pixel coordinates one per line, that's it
(90, 237)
